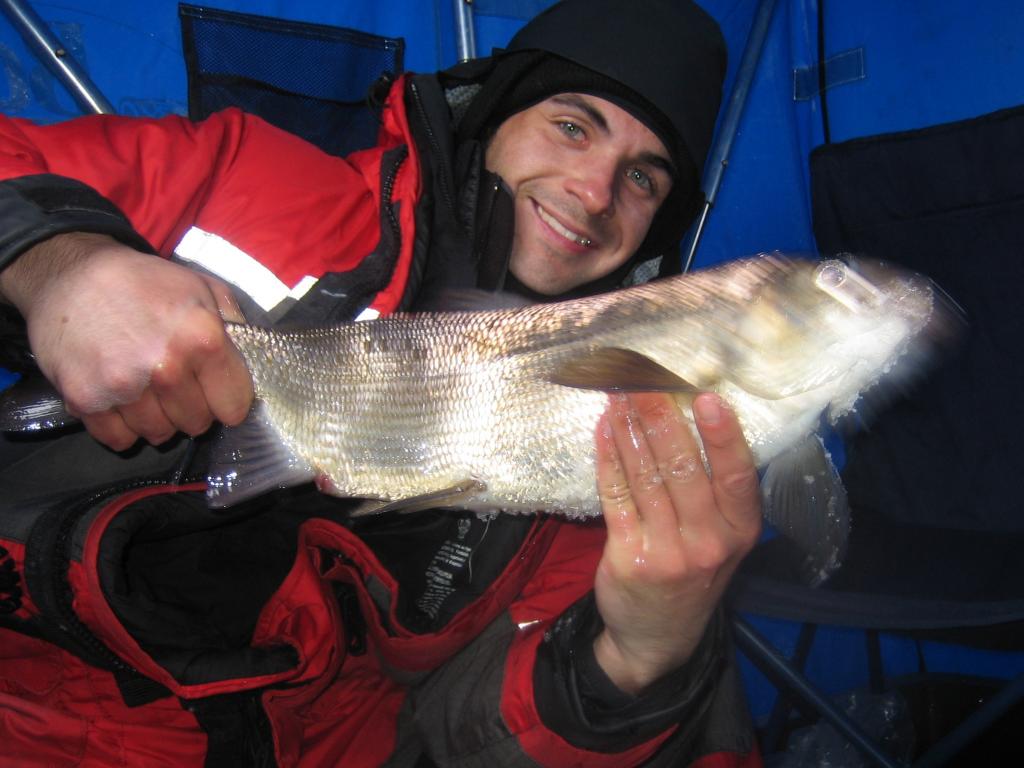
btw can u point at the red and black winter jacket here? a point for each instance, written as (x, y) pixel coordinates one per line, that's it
(139, 627)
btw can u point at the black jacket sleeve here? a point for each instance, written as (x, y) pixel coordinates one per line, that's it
(577, 700)
(35, 208)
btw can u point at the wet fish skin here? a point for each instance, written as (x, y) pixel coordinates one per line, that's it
(406, 406)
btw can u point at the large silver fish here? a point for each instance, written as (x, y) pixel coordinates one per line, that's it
(497, 410)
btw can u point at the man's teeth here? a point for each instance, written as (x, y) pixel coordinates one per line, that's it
(557, 226)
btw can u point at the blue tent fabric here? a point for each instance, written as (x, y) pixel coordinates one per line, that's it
(923, 66)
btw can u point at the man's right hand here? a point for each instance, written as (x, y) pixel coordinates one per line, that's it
(135, 344)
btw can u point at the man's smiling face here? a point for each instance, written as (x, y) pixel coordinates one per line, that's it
(587, 179)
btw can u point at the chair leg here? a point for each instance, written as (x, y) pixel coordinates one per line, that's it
(779, 718)
(952, 743)
(760, 651)
(876, 672)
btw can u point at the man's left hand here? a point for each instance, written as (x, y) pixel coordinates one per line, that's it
(676, 533)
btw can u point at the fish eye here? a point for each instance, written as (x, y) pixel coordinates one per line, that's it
(830, 274)
(847, 287)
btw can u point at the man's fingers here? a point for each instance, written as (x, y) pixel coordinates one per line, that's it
(204, 373)
(182, 398)
(224, 300)
(686, 487)
(109, 428)
(613, 488)
(733, 473)
(636, 421)
(147, 365)
(223, 376)
(146, 418)
(227, 384)
(661, 469)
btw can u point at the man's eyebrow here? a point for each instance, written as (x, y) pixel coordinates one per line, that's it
(597, 117)
(659, 161)
(572, 100)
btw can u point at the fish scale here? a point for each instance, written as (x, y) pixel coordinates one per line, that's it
(410, 416)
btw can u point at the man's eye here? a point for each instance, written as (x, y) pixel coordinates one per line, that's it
(641, 179)
(571, 130)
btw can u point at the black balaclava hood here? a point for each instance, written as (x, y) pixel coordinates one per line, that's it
(661, 60)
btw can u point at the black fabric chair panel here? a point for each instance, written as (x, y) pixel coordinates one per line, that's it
(310, 79)
(933, 480)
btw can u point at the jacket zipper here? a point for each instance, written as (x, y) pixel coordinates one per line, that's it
(387, 189)
(435, 146)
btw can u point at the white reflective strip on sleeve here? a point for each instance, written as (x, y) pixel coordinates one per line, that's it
(368, 314)
(302, 287)
(228, 262)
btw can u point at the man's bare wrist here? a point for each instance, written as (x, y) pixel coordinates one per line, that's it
(628, 674)
(25, 278)
(633, 672)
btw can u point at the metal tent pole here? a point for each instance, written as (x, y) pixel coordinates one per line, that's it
(719, 158)
(56, 56)
(466, 42)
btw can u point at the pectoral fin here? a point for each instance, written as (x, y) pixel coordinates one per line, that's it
(805, 500)
(445, 497)
(613, 369)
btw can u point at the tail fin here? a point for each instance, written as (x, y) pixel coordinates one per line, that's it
(251, 459)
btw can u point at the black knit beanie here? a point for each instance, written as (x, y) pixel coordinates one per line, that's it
(663, 61)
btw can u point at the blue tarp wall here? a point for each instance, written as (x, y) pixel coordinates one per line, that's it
(900, 66)
(894, 66)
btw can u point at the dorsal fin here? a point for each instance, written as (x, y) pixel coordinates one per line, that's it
(476, 300)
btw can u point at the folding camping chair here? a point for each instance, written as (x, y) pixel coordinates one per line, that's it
(310, 79)
(937, 541)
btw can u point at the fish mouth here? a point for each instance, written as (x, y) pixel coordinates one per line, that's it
(845, 283)
(581, 240)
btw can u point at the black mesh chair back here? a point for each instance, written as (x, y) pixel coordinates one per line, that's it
(309, 79)
(937, 541)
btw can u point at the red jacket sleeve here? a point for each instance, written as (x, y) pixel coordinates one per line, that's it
(296, 209)
(499, 719)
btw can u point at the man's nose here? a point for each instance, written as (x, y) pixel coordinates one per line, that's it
(593, 182)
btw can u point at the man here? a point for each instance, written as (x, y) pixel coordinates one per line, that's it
(286, 630)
